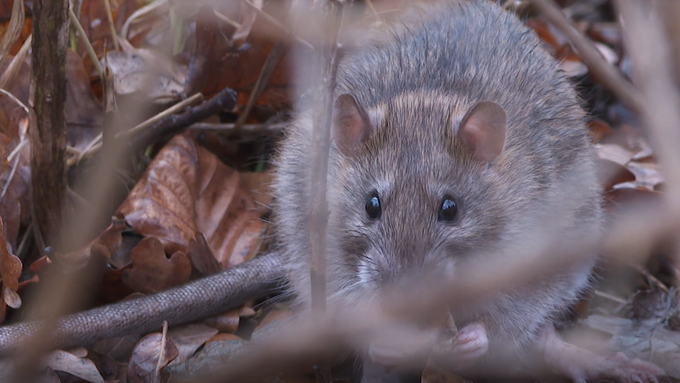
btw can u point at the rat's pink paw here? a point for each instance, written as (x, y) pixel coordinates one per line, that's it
(580, 364)
(471, 343)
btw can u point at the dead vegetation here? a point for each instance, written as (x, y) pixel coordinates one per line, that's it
(158, 174)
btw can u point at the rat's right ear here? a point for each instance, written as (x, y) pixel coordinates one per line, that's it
(482, 130)
(350, 126)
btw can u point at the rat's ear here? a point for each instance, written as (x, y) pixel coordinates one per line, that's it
(482, 130)
(350, 126)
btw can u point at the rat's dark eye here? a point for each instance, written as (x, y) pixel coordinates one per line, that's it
(373, 208)
(448, 212)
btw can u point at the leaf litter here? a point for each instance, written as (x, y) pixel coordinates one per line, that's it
(195, 210)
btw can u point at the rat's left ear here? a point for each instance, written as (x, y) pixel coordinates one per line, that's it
(482, 130)
(350, 126)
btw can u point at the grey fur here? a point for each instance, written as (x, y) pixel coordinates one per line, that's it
(416, 82)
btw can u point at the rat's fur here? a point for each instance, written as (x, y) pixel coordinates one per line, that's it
(416, 84)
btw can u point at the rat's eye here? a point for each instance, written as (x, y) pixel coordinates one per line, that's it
(449, 210)
(373, 208)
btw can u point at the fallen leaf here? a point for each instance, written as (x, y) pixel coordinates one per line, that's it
(189, 338)
(202, 257)
(259, 184)
(152, 271)
(15, 178)
(186, 190)
(145, 74)
(647, 174)
(151, 352)
(226, 322)
(432, 374)
(84, 114)
(83, 368)
(222, 337)
(10, 271)
(628, 337)
(249, 16)
(599, 129)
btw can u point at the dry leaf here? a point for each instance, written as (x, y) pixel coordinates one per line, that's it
(186, 190)
(202, 257)
(148, 355)
(432, 374)
(84, 114)
(83, 368)
(145, 73)
(152, 271)
(259, 184)
(226, 323)
(10, 271)
(189, 338)
(15, 179)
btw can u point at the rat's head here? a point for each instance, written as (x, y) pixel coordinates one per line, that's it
(415, 185)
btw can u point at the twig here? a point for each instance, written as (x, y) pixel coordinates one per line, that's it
(180, 106)
(607, 74)
(650, 53)
(86, 42)
(112, 25)
(263, 79)
(15, 64)
(94, 147)
(227, 20)
(246, 129)
(13, 31)
(15, 165)
(373, 11)
(277, 24)
(321, 139)
(610, 297)
(47, 135)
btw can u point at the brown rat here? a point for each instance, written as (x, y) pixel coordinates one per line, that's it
(454, 135)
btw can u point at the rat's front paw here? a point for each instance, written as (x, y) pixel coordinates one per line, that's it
(470, 343)
(580, 364)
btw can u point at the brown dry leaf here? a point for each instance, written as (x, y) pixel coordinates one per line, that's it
(202, 257)
(225, 323)
(10, 271)
(189, 338)
(146, 74)
(186, 190)
(152, 271)
(599, 129)
(81, 367)
(249, 16)
(432, 374)
(259, 185)
(15, 178)
(647, 174)
(84, 114)
(148, 355)
(13, 31)
(221, 337)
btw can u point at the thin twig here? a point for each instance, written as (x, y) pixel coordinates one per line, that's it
(321, 139)
(373, 11)
(180, 106)
(86, 41)
(15, 165)
(651, 58)
(16, 62)
(609, 76)
(263, 79)
(277, 24)
(246, 129)
(112, 25)
(227, 20)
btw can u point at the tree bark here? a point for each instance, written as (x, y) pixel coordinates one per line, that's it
(48, 117)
